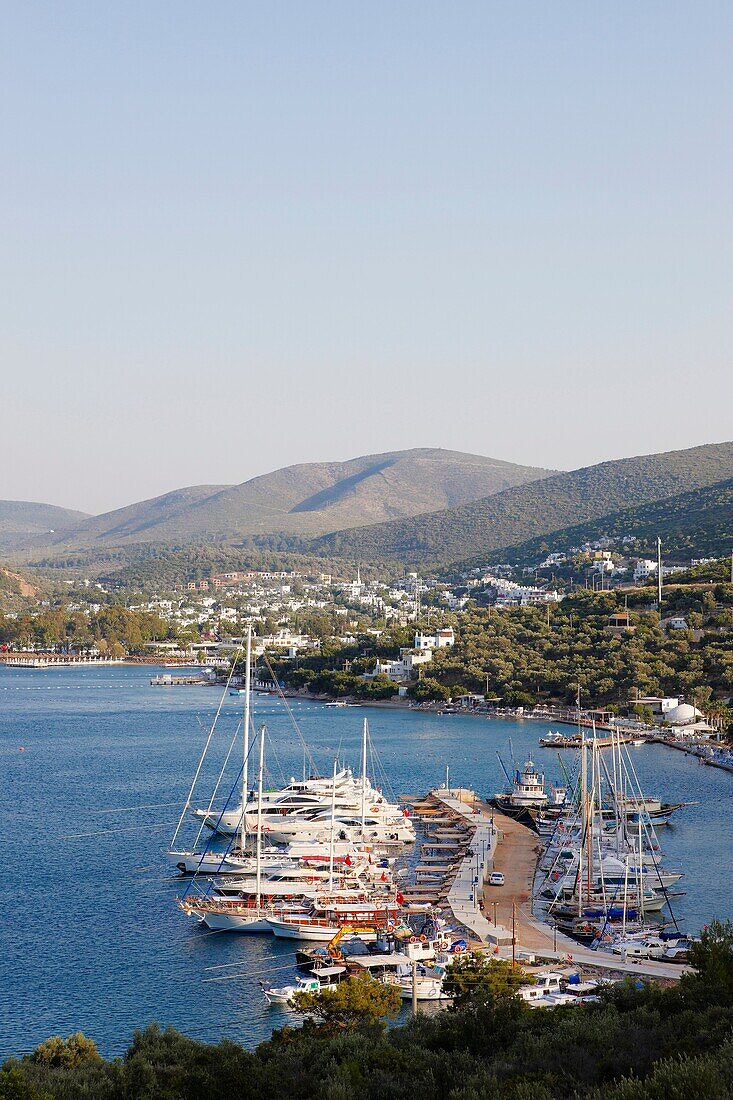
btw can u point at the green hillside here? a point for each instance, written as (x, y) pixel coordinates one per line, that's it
(536, 509)
(305, 500)
(698, 524)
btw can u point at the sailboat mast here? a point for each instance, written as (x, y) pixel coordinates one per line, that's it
(247, 705)
(363, 776)
(584, 818)
(259, 817)
(333, 829)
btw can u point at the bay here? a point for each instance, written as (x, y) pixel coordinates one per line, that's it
(90, 936)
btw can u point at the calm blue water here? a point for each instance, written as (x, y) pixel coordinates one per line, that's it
(90, 937)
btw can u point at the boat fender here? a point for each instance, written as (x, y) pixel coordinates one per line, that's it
(374, 810)
(414, 939)
(423, 939)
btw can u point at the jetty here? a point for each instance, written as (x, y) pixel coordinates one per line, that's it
(499, 919)
(166, 679)
(55, 660)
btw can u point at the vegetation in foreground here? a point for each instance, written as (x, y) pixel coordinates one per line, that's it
(637, 1043)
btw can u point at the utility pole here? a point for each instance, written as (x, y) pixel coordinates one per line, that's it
(659, 576)
(514, 933)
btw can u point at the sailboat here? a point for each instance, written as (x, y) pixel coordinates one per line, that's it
(598, 871)
(241, 914)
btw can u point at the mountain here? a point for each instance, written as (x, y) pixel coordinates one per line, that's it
(307, 499)
(23, 523)
(538, 508)
(698, 524)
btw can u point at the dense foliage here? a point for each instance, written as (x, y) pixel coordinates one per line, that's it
(532, 654)
(111, 628)
(645, 1043)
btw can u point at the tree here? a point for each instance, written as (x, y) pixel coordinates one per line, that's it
(15, 1086)
(428, 690)
(478, 979)
(350, 1004)
(712, 956)
(77, 1050)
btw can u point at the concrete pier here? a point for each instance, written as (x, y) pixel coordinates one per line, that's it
(499, 919)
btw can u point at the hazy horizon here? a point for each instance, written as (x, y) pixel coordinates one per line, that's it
(340, 458)
(245, 238)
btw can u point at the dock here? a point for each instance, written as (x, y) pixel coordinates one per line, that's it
(499, 919)
(510, 907)
(167, 680)
(55, 660)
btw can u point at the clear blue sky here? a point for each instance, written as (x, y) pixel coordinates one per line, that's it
(238, 235)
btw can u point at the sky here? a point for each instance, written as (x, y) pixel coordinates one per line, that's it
(238, 236)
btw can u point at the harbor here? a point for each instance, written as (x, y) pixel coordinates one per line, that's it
(99, 863)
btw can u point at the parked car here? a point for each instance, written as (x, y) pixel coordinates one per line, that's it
(496, 878)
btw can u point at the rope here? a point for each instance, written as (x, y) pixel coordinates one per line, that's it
(306, 751)
(206, 749)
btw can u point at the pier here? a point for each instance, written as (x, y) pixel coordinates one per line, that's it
(499, 919)
(516, 854)
(168, 680)
(55, 660)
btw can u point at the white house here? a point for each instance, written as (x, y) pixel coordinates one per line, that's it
(644, 568)
(439, 640)
(402, 668)
(659, 705)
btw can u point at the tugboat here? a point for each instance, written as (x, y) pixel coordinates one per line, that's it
(528, 796)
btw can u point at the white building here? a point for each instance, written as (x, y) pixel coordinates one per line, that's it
(644, 568)
(402, 668)
(440, 640)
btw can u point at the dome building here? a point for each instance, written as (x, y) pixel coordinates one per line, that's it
(682, 715)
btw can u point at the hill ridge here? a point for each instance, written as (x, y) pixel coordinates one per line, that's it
(305, 500)
(537, 508)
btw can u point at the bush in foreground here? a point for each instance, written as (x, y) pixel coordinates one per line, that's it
(638, 1043)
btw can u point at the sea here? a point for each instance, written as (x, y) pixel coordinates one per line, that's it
(95, 769)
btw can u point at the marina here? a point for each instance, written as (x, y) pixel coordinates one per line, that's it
(98, 862)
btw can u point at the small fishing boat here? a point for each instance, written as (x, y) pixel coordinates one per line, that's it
(324, 978)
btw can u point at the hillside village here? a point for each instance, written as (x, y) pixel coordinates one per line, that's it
(429, 639)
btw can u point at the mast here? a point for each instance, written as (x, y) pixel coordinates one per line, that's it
(363, 777)
(258, 899)
(247, 705)
(333, 829)
(584, 818)
(592, 808)
(640, 872)
(616, 809)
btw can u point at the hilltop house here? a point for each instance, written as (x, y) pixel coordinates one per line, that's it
(439, 640)
(644, 569)
(401, 669)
